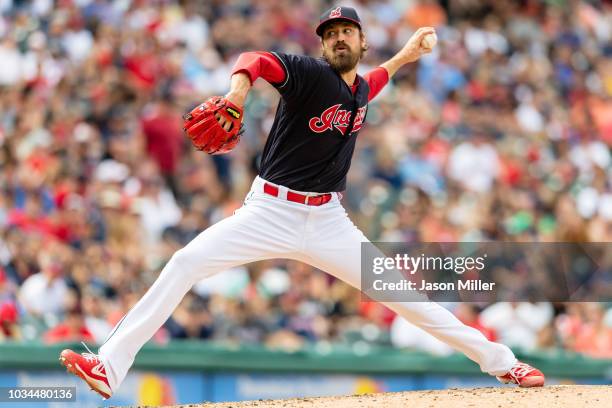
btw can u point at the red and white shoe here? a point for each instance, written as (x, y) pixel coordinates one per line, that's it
(523, 375)
(89, 367)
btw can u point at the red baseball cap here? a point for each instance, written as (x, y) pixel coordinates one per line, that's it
(338, 13)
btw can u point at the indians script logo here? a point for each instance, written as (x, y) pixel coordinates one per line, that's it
(335, 13)
(334, 117)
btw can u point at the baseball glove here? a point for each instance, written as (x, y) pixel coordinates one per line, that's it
(205, 131)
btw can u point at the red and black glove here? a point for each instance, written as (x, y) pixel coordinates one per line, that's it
(205, 131)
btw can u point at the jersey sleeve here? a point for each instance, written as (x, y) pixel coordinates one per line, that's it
(377, 79)
(301, 75)
(259, 64)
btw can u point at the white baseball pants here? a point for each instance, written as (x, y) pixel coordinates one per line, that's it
(271, 227)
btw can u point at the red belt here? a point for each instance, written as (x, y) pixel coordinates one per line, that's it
(299, 198)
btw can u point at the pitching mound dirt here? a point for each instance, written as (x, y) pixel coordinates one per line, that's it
(500, 397)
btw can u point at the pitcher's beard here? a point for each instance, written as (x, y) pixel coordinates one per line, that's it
(342, 63)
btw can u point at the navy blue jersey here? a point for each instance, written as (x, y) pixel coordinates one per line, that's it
(308, 148)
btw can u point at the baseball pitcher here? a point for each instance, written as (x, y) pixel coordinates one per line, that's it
(293, 209)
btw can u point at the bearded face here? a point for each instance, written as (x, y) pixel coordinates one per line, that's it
(343, 46)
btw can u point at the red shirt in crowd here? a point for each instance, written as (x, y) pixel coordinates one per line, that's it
(63, 333)
(164, 137)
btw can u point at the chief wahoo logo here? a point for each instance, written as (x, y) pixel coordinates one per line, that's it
(335, 13)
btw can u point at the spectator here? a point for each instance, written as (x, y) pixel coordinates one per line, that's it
(9, 318)
(45, 292)
(518, 323)
(162, 128)
(595, 337)
(94, 310)
(6, 288)
(474, 164)
(190, 320)
(72, 329)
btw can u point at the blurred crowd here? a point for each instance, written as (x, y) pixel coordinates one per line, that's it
(503, 133)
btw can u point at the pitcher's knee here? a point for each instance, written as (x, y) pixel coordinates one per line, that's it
(184, 264)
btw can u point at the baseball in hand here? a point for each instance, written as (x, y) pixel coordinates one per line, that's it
(429, 41)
